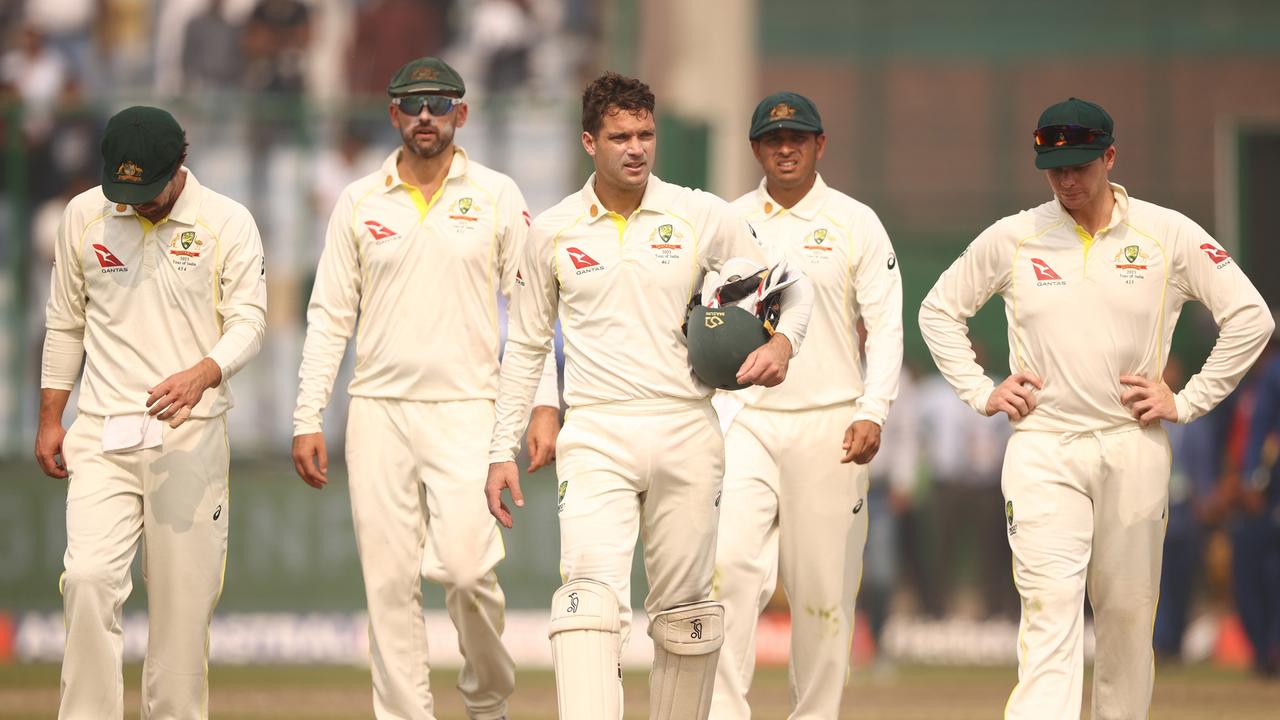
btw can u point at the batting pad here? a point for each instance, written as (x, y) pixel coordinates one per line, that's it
(686, 646)
(585, 635)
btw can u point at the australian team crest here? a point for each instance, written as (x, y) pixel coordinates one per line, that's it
(184, 250)
(816, 245)
(782, 111)
(666, 243)
(1131, 262)
(464, 205)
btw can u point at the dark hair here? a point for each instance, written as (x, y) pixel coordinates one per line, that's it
(613, 93)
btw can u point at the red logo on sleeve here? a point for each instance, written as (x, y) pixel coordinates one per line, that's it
(379, 231)
(1043, 271)
(527, 219)
(580, 259)
(1215, 253)
(106, 258)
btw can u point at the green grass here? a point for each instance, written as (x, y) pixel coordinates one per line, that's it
(28, 692)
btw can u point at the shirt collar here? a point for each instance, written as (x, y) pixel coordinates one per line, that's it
(391, 173)
(1119, 211)
(654, 191)
(808, 207)
(185, 209)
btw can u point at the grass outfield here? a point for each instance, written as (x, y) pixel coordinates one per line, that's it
(28, 692)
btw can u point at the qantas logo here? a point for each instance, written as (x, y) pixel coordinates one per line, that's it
(527, 219)
(108, 260)
(1216, 254)
(1043, 271)
(378, 230)
(582, 261)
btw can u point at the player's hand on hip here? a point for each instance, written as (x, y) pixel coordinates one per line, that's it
(544, 426)
(173, 399)
(767, 364)
(503, 475)
(1014, 397)
(1150, 401)
(311, 459)
(861, 442)
(49, 439)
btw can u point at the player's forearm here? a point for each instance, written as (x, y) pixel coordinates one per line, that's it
(548, 393)
(521, 368)
(53, 403)
(1241, 338)
(61, 359)
(240, 341)
(322, 353)
(795, 309)
(947, 336)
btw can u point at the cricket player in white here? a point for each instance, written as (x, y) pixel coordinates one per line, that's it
(796, 456)
(641, 450)
(1093, 282)
(159, 286)
(418, 251)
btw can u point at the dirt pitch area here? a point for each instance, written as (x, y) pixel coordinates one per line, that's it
(29, 692)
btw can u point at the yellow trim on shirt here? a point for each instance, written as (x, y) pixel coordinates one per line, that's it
(1087, 240)
(618, 222)
(1164, 289)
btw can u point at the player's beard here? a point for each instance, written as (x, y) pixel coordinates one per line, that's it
(428, 147)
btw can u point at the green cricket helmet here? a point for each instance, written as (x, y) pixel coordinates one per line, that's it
(720, 339)
(738, 318)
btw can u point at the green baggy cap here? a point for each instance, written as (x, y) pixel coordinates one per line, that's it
(426, 76)
(785, 110)
(141, 150)
(1078, 113)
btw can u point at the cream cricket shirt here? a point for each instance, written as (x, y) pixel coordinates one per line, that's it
(843, 249)
(146, 301)
(620, 287)
(1082, 311)
(423, 276)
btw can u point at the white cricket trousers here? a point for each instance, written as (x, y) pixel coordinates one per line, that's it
(791, 508)
(652, 467)
(1086, 510)
(417, 472)
(172, 500)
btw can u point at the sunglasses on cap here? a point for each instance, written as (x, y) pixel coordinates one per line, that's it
(437, 105)
(1068, 135)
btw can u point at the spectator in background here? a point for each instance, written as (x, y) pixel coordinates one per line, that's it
(1255, 529)
(67, 26)
(893, 479)
(1197, 459)
(36, 76)
(211, 52)
(387, 32)
(276, 38)
(501, 34)
(966, 454)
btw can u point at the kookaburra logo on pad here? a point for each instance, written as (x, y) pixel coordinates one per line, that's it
(697, 630)
(573, 602)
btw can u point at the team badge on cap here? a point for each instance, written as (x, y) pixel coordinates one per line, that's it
(129, 172)
(782, 111)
